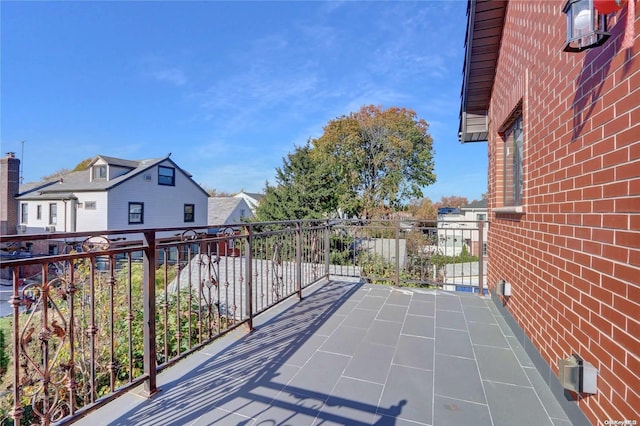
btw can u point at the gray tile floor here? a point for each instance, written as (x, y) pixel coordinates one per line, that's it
(354, 354)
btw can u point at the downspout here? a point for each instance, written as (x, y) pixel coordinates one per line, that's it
(73, 214)
(65, 215)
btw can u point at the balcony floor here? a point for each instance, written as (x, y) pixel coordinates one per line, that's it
(354, 354)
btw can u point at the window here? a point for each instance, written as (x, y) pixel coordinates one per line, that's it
(90, 205)
(481, 216)
(99, 172)
(513, 139)
(53, 214)
(39, 212)
(189, 210)
(24, 213)
(166, 176)
(136, 213)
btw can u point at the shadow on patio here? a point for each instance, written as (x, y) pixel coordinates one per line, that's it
(353, 354)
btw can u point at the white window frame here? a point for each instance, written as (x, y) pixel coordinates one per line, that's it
(513, 160)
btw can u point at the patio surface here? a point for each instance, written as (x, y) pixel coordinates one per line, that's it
(354, 354)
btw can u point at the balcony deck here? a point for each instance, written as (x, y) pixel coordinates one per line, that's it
(354, 354)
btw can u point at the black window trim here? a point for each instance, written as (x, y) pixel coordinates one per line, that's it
(164, 176)
(193, 213)
(141, 204)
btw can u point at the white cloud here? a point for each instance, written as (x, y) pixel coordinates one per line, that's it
(174, 76)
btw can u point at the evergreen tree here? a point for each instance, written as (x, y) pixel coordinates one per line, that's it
(305, 189)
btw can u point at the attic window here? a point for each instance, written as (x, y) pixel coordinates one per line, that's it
(99, 172)
(166, 176)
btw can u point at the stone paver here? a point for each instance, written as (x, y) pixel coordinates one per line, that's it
(376, 356)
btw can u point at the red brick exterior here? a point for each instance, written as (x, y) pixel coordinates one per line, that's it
(573, 254)
(9, 187)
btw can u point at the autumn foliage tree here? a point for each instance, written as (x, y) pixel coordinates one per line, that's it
(423, 209)
(380, 157)
(427, 210)
(364, 164)
(452, 201)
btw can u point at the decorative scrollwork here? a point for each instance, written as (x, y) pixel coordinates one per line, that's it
(189, 235)
(96, 243)
(276, 269)
(315, 256)
(43, 341)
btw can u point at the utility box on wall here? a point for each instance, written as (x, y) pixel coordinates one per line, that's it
(577, 375)
(503, 288)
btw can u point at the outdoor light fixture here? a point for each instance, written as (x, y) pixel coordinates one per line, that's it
(586, 26)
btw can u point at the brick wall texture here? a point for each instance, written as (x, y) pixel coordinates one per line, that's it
(9, 186)
(573, 254)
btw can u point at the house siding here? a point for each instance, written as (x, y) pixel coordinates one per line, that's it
(163, 204)
(89, 219)
(573, 254)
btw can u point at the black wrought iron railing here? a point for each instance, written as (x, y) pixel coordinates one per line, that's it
(94, 315)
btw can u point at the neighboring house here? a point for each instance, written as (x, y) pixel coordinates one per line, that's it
(252, 199)
(113, 193)
(563, 132)
(228, 210)
(458, 227)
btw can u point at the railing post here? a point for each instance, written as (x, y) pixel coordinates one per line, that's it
(149, 326)
(397, 277)
(481, 258)
(17, 411)
(248, 251)
(327, 247)
(299, 259)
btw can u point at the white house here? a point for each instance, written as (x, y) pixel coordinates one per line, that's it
(458, 227)
(228, 210)
(113, 194)
(252, 199)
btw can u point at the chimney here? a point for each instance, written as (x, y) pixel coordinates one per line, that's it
(9, 188)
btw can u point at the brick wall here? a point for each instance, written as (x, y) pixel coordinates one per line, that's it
(9, 187)
(573, 255)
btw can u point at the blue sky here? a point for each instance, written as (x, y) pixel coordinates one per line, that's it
(228, 88)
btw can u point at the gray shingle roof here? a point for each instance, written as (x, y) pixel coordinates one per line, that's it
(220, 208)
(81, 180)
(479, 204)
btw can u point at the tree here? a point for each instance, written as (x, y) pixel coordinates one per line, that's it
(215, 193)
(305, 189)
(57, 174)
(452, 201)
(64, 171)
(380, 157)
(424, 209)
(82, 165)
(483, 197)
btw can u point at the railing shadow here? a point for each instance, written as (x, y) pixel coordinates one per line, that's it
(251, 378)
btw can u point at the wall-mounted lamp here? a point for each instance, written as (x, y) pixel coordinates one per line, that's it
(578, 375)
(586, 26)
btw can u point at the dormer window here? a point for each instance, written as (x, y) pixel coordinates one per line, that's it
(100, 172)
(166, 176)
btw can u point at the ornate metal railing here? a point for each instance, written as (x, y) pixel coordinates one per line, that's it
(447, 254)
(94, 315)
